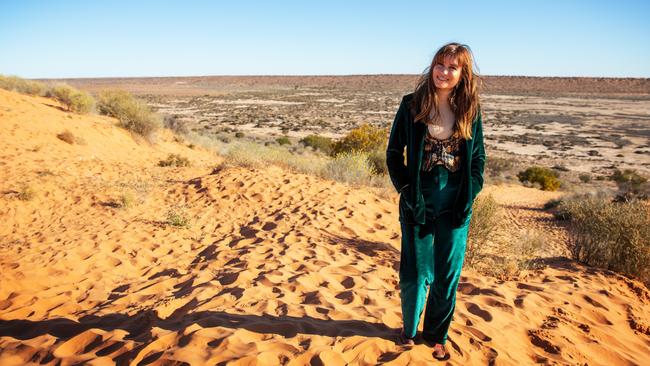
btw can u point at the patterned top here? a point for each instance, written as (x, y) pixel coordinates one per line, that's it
(444, 152)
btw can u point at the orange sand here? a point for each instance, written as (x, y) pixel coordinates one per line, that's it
(275, 267)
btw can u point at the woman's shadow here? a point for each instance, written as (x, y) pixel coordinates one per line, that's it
(139, 327)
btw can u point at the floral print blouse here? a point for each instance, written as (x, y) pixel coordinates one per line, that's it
(444, 152)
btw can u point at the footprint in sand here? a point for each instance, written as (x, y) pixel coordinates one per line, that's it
(538, 338)
(524, 286)
(476, 310)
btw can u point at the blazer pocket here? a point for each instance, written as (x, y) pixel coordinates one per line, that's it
(405, 208)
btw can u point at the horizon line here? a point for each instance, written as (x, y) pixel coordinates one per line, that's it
(320, 75)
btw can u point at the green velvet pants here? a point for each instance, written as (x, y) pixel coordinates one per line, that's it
(432, 258)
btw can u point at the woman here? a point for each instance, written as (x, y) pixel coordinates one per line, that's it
(440, 126)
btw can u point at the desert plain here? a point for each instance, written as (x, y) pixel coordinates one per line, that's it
(280, 267)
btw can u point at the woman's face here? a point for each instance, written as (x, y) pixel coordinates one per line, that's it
(446, 74)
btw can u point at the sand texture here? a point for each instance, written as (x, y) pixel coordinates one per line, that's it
(273, 268)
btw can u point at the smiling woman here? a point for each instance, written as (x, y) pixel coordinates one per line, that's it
(440, 127)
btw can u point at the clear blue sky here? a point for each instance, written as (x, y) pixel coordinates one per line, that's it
(92, 38)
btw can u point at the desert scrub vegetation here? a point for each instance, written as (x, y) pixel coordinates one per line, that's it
(73, 99)
(26, 192)
(133, 114)
(255, 155)
(20, 85)
(364, 138)
(174, 160)
(352, 168)
(631, 185)
(283, 140)
(70, 138)
(320, 143)
(491, 254)
(548, 179)
(126, 200)
(498, 169)
(486, 221)
(177, 217)
(174, 123)
(609, 234)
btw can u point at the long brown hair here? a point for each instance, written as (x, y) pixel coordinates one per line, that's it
(464, 99)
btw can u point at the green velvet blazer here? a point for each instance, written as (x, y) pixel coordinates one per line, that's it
(406, 177)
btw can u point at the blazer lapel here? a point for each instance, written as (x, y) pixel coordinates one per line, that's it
(420, 131)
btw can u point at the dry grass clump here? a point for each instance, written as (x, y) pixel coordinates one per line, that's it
(70, 138)
(609, 234)
(352, 168)
(174, 160)
(126, 200)
(177, 216)
(174, 123)
(133, 114)
(254, 155)
(26, 192)
(489, 253)
(66, 136)
(20, 85)
(73, 99)
(487, 218)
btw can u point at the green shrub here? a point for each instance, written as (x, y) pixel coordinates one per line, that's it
(74, 100)
(364, 138)
(133, 114)
(547, 178)
(174, 160)
(612, 235)
(283, 140)
(324, 144)
(585, 177)
(239, 134)
(20, 85)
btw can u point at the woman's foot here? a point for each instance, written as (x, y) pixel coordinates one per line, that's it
(403, 340)
(440, 352)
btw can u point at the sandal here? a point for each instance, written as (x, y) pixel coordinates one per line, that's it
(443, 355)
(404, 340)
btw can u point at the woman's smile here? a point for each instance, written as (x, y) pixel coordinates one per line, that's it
(446, 74)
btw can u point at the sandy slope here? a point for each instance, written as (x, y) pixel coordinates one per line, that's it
(274, 268)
